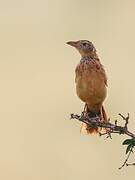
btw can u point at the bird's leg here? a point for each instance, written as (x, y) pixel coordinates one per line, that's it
(84, 114)
(101, 116)
(90, 115)
(84, 111)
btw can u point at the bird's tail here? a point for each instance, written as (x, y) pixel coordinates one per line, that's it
(86, 129)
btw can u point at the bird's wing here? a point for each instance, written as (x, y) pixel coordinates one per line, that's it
(102, 71)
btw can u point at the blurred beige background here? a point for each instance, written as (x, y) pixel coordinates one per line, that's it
(37, 89)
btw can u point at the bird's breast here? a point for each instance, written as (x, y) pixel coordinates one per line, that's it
(90, 82)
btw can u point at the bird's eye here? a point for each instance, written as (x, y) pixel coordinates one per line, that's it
(84, 44)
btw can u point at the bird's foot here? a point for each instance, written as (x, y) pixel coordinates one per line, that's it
(94, 119)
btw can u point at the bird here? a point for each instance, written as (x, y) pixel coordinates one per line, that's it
(91, 83)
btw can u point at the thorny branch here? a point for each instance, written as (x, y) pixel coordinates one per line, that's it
(111, 129)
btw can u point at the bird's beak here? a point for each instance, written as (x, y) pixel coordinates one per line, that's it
(72, 43)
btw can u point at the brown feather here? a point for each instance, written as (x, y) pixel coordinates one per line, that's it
(91, 82)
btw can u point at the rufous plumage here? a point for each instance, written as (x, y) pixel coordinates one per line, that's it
(91, 82)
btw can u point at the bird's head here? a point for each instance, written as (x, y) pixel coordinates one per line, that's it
(84, 47)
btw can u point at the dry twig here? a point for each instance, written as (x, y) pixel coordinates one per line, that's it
(112, 128)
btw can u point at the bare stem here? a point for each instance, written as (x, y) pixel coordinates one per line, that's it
(125, 162)
(112, 128)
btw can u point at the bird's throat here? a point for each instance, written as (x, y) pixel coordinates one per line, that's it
(87, 58)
